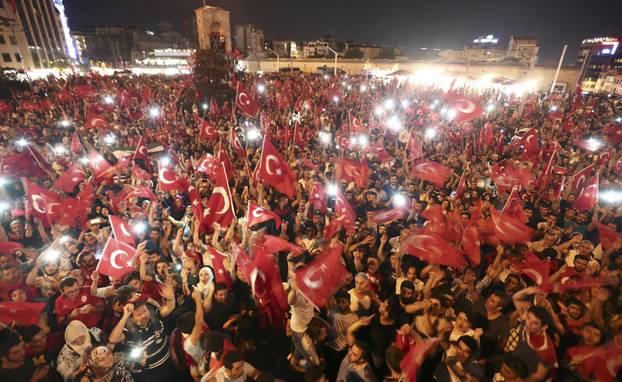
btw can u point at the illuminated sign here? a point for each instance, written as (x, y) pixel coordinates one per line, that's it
(490, 39)
(612, 47)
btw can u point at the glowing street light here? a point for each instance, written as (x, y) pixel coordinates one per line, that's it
(154, 112)
(429, 133)
(110, 139)
(611, 196)
(394, 123)
(399, 200)
(332, 189)
(324, 137)
(261, 88)
(22, 142)
(252, 134)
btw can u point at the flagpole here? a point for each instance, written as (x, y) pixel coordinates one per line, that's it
(559, 66)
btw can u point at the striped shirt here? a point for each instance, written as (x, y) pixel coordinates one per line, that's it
(152, 340)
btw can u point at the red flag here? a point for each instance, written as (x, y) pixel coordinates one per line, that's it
(605, 361)
(139, 173)
(8, 247)
(68, 181)
(257, 214)
(272, 244)
(5, 107)
(464, 109)
(84, 90)
(352, 171)
(95, 121)
(506, 176)
(43, 204)
(235, 144)
(141, 151)
(22, 313)
(317, 197)
(487, 138)
(220, 205)
(381, 217)
(207, 165)
(220, 272)
(299, 137)
(213, 109)
(121, 230)
(588, 196)
(342, 207)
(264, 278)
(431, 171)
(613, 133)
(245, 103)
(461, 185)
(141, 192)
(509, 229)
(413, 360)
(545, 178)
(273, 170)
(224, 159)
(537, 270)
(355, 125)
(579, 180)
(100, 166)
(196, 203)
(607, 235)
(75, 147)
(116, 260)
(514, 207)
(21, 164)
(434, 249)
(530, 143)
(321, 278)
(471, 242)
(436, 222)
(414, 147)
(168, 180)
(207, 130)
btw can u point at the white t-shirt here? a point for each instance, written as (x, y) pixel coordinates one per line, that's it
(220, 376)
(302, 313)
(194, 351)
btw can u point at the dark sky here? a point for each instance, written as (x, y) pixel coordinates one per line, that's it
(408, 23)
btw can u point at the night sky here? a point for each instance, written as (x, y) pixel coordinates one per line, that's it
(409, 24)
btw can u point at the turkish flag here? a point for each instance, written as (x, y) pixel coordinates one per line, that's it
(213, 109)
(139, 173)
(141, 151)
(322, 277)
(487, 138)
(434, 249)
(461, 185)
(352, 171)
(317, 197)
(465, 109)
(84, 90)
(530, 143)
(8, 247)
(22, 313)
(545, 178)
(536, 269)
(605, 361)
(588, 195)
(121, 230)
(579, 180)
(413, 360)
(343, 207)
(431, 171)
(273, 244)
(224, 159)
(381, 217)
(607, 235)
(96, 121)
(5, 107)
(355, 125)
(258, 214)
(141, 192)
(506, 176)
(220, 272)
(299, 136)
(613, 133)
(100, 166)
(168, 180)
(68, 181)
(514, 207)
(246, 102)
(207, 130)
(265, 281)
(235, 144)
(196, 203)
(509, 229)
(75, 147)
(414, 147)
(21, 164)
(220, 205)
(42, 203)
(274, 171)
(436, 221)
(208, 164)
(116, 260)
(471, 242)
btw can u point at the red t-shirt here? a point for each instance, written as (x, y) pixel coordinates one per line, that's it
(583, 367)
(64, 306)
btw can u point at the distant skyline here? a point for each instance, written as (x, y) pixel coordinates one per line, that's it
(410, 24)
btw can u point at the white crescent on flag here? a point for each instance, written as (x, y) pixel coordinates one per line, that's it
(36, 199)
(163, 178)
(221, 191)
(113, 258)
(272, 158)
(310, 278)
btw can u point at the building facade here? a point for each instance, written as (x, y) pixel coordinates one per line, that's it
(523, 49)
(35, 34)
(600, 59)
(213, 28)
(248, 39)
(317, 48)
(286, 48)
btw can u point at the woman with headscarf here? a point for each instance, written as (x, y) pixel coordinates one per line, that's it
(103, 367)
(206, 281)
(78, 338)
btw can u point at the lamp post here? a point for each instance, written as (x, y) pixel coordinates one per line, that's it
(331, 49)
(278, 59)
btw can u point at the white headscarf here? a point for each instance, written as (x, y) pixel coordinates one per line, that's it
(74, 330)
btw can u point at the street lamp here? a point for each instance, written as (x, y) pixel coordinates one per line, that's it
(278, 59)
(331, 49)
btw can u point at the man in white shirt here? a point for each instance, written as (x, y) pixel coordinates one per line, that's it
(234, 370)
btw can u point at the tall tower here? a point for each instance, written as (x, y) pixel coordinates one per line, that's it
(213, 28)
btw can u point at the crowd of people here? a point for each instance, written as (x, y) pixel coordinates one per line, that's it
(470, 239)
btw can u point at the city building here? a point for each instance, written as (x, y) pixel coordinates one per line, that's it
(523, 49)
(35, 34)
(600, 59)
(609, 82)
(248, 39)
(317, 48)
(213, 28)
(371, 51)
(286, 48)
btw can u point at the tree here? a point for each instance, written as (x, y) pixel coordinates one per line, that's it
(353, 53)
